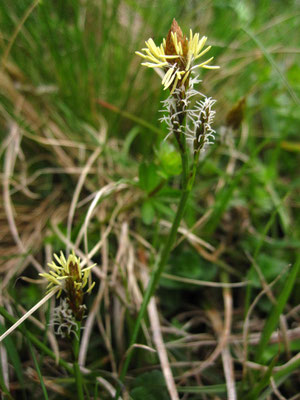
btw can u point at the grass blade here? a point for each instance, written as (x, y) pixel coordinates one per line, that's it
(14, 358)
(273, 319)
(36, 364)
(262, 383)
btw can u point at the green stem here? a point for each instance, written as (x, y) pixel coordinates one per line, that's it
(184, 163)
(187, 184)
(77, 372)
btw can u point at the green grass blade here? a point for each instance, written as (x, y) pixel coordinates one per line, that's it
(14, 358)
(3, 388)
(36, 364)
(280, 376)
(273, 319)
(263, 382)
(209, 389)
(256, 252)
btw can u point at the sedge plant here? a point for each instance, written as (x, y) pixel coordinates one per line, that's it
(188, 115)
(68, 280)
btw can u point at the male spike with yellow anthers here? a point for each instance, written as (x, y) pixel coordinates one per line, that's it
(69, 269)
(68, 276)
(176, 56)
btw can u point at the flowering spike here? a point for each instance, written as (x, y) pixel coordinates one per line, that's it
(70, 278)
(176, 56)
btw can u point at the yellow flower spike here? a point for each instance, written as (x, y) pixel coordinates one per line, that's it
(58, 274)
(176, 56)
(69, 277)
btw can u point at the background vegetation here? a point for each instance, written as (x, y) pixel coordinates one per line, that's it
(84, 166)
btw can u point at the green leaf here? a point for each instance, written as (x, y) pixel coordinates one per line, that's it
(148, 212)
(169, 160)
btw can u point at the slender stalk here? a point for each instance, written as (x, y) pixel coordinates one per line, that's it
(25, 316)
(185, 167)
(187, 184)
(77, 372)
